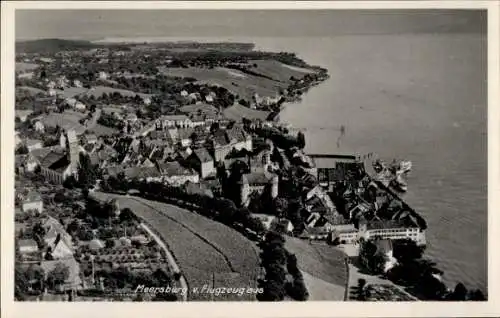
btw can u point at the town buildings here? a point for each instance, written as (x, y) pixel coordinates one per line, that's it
(225, 141)
(27, 246)
(202, 162)
(391, 229)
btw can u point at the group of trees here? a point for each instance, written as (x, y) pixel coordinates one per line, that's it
(109, 120)
(32, 280)
(277, 263)
(219, 209)
(374, 261)
(280, 138)
(412, 271)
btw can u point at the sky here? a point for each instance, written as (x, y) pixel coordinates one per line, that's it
(96, 24)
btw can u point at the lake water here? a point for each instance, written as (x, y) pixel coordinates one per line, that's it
(421, 97)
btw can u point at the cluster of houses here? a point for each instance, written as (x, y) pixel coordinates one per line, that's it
(43, 241)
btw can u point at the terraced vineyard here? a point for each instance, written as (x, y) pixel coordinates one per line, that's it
(207, 252)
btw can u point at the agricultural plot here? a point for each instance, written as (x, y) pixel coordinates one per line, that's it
(239, 83)
(237, 112)
(31, 90)
(67, 120)
(279, 71)
(207, 252)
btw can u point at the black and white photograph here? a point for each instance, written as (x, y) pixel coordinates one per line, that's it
(265, 155)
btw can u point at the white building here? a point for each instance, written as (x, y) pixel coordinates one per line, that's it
(103, 75)
(33, 201)
(27, 246)
(393, 230)
(39, 126)
(170, 121)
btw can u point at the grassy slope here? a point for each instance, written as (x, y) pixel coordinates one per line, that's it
(320, 261)
(201, 246)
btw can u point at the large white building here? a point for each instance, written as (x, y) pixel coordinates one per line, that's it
(393, 230)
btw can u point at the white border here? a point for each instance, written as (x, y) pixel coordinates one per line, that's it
(308, 309)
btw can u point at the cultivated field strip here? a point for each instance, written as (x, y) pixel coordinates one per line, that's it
(207, 252)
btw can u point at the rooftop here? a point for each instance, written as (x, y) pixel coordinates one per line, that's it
(173, 117)
(27, 243)
(174, 168)
(33, 196)
(258, 178)
(203, 155)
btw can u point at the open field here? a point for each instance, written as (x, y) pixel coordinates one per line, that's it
(23, 67)
(321, 290)
(66, 120)
(279, 71)
(238, 112)
(98, 91)
(322, 262)
(244, 85)
(100, 130)
(32, 90)
(201, 247)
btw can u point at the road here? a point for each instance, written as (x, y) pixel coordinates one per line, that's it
(171, 260)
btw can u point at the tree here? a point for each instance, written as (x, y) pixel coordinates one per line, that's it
(406, 250)
(301, 140)
(110, 243)
(373, 261)
(273, 254)
(273, 291)
(127, 215)
(58, 275)
(361, 289)
(86, 172)
(39, 230)
(35, 274)
(70, 182)
(292, 265)
(280, 207)
(460, 293)
(22, 150)
(476, 295)
(73, 226)
(255, 225)
(297, 290)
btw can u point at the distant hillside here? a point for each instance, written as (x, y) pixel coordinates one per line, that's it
(52, 45)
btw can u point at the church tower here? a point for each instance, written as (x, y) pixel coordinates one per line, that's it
(72, 148)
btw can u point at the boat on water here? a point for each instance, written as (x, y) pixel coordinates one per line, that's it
(405, 166)
(378, 166)
(399, 183)
(393, 174)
